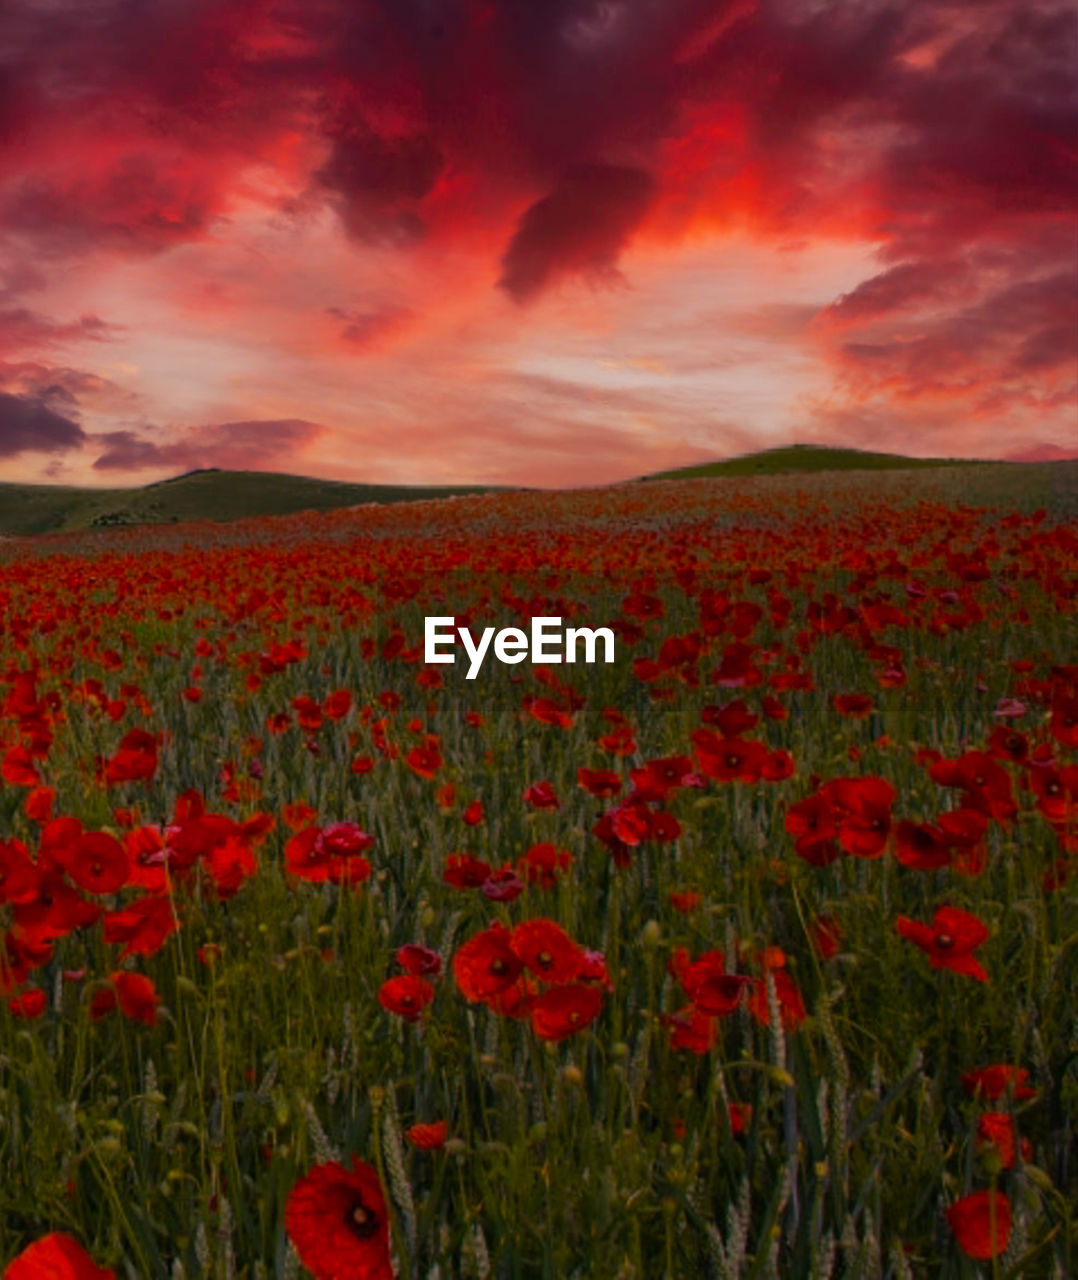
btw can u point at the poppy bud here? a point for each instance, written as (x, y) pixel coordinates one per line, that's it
(651, 934)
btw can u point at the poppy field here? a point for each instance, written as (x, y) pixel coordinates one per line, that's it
(751, 954)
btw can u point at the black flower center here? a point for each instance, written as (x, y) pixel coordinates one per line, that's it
(545, 959)
(944, 941)
(362, 1221)
(498, 966)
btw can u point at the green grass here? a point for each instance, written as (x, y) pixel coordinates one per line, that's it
(199, 495)
(810, 457)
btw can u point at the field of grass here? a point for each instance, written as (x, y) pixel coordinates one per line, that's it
(199, 495)
(751, 954)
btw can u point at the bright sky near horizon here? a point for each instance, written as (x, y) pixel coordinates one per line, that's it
(547, 243)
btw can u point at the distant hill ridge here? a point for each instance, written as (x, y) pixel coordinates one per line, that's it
(208, 493)
(811, 457)
(204, 494)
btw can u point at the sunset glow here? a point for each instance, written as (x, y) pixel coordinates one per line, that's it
(499, 241)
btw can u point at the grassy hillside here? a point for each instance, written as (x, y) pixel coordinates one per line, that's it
(199, 495)
(805, 457)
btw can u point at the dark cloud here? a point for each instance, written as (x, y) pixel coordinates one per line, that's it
(579, 227)
(31, 425)
(940, 131)
(367, 328)
(377, 183)
(22, 329)
(895, 290)
(254, 445)
(141, 204)
(989, 350)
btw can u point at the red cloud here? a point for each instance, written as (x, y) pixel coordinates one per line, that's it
(940, 132)
(254, 446)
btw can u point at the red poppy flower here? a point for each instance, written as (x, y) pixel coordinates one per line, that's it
(863, 814)
(791, 1003)
(729, 759)
(619, 743)
(949, 940)
(342, 840)
(600, 782)
(563, 1011)
(547, 711)
(778, 766)
(336, 1218)
(1063, 724)
(29, 1005)
(547, 950)
(56, 911)
(629, 823)
(542, 864)
(465, 871)
(337, 704)
(39, 803)
(503, 885)
(18, 874)
(98, 863)
(425, 760)
(18, 768)
(55, 1257)
(993, 1082)
(981, 1223)
(731, 720)
(664, 773)
(826, 933)
(996, 1129)
(921, 846)
(986, 783)
(473, 815)
(332, 853)
(691, 1031)
(142, 926)
(230, 864)
(740, 1116)
(964, 831)
(812, 824)
(486, 964)
(137, 996)
(135, 758)
(419, 961)
(1007, 743)
(406, 996)
(719, 995)
(541, 795)
(428, 1137)
(852, 704)
(685, 901)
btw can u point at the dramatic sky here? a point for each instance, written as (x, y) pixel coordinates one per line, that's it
(538, 241)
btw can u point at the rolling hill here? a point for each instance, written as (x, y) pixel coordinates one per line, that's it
(809, 457)
(198, 495)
